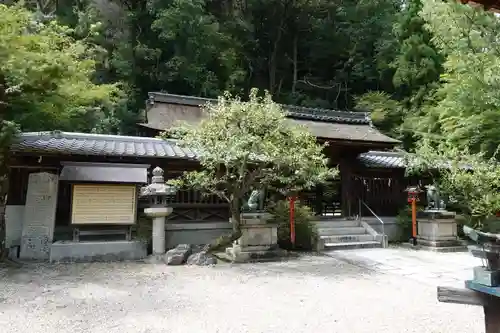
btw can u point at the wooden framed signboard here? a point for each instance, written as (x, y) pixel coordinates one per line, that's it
(104, 204)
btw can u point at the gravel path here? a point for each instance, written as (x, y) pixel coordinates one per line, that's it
(310, 294)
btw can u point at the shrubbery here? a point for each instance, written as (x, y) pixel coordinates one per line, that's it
(305, 230)
(403, 221)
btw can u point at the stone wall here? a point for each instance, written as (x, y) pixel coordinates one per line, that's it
(194, 233)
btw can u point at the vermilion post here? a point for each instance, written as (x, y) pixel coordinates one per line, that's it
(292, 220)
(414, 218)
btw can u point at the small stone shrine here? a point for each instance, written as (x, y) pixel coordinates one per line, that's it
(437, 227)
(259, 239)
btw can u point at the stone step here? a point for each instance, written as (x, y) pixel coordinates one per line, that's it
(347, 238)
(337, 223)
(332, 231)
(352, 245)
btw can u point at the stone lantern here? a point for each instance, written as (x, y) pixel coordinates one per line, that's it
(157, 193)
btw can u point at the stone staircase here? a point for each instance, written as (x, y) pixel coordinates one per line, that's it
(337, 234)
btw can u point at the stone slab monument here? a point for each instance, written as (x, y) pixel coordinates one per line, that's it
(259, 238)
(39, 216)
(437, 227)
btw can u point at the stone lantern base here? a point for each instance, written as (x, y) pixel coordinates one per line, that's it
(437, 231)
(258, 241)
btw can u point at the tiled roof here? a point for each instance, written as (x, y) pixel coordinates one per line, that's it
(383, 159)
(296, 112)
(67, 143)
(349, 132)
(98, 144)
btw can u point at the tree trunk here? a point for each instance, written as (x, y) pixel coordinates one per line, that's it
(226, 240)
(295, 71)
(273, 58)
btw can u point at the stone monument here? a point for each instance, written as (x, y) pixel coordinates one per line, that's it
(437, 227)
(259, 238)
(157, 192)
(39, 216)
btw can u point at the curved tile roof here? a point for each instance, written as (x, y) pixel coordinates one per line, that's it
(383, 159)
(99, 144)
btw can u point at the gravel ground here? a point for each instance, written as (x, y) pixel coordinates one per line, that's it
(310, 294)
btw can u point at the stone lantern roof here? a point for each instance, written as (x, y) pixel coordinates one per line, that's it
(158, 186)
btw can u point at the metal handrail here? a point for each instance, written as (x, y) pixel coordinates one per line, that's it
(375, 215)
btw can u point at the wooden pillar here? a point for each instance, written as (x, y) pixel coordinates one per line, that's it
(345, 187)
(492, 315)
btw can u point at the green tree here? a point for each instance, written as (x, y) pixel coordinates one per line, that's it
(418, 64)
(417, 68)
(201, 56)
(45, 84)
(465, 109)
(250, 145)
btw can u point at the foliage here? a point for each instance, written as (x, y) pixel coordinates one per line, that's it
(47, 75)
(144, 229)
(417, 66)
(471, 181)
(305, 230)
(247, 145)
(404, 223)
(201, 58)
(464, 110)
(387, 113)
(418, 63)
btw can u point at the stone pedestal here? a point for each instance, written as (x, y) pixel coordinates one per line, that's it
(158, 214)
(437, 230)
(39, 216)
(69, 251)
(259, 239)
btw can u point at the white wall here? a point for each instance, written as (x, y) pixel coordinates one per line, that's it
(14, 217)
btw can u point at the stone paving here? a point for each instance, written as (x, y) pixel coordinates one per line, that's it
(444, 269)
